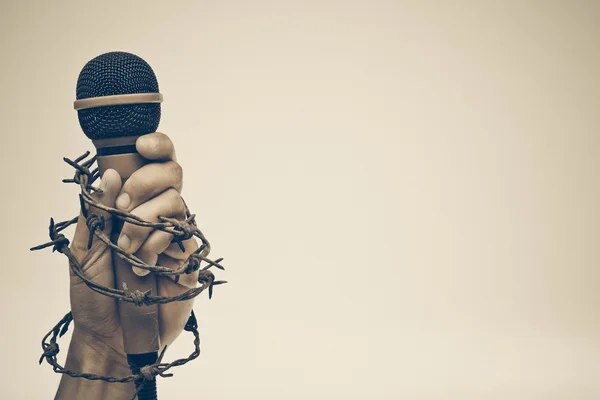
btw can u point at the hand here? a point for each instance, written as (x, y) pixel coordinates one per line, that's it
(152, 191)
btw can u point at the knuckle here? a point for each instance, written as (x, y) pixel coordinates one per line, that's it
(175, 202)
(176, 171)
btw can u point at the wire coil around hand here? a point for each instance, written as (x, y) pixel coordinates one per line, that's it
(181, 230)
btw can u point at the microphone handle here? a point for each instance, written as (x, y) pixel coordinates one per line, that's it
(141, 336)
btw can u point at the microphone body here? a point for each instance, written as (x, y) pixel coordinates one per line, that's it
(139, 323)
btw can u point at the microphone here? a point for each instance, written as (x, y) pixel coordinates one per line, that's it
(118, 101)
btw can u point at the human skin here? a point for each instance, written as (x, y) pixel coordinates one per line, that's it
(97, 342)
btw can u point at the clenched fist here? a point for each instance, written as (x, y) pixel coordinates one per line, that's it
(97, 342)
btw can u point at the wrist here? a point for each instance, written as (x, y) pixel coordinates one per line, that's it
(101, 356)
(105, 357)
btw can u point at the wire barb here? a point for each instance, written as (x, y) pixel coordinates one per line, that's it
(94, 222)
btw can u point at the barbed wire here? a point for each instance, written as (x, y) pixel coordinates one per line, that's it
(180, 229)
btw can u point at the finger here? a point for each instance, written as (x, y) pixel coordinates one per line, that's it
(167, 204)
(175, 252)
(174, 315)
(157, 242)
(189, 281)
(110, 185)
(172, 257)
(156, 146)
(149, 181)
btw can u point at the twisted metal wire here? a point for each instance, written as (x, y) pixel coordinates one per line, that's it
(181, 231)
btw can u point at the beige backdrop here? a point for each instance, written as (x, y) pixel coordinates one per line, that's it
(406, 194)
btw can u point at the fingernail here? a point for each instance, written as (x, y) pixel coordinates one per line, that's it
(140, 271)
(124, 242)
(123, 201)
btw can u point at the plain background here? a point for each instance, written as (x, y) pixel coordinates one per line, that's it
(406, 194)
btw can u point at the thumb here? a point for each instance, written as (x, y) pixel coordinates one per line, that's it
(111, 186)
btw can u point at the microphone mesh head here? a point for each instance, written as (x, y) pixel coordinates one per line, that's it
(112, 74)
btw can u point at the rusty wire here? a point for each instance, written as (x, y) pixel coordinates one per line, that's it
(181, 230)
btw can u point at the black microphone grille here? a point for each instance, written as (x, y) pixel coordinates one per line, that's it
(111, 74)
